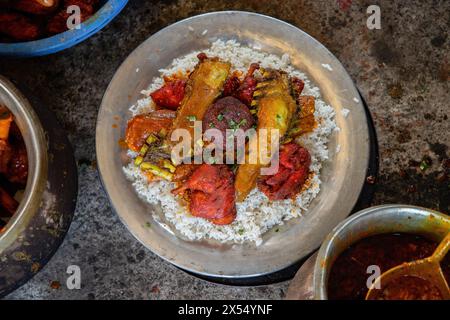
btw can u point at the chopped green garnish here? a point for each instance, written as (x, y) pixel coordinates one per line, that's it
(191, 118)
(211, 125)
(220, 117)
(211, 160)
(241, 123)
(423, 166)
(279, 118)
(235, 126)
(425, 163)
(241, 231)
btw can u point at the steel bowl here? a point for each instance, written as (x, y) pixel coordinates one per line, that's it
(343, 176)
(109, 10)
(34, 138)
(44, 214)
(372, 221)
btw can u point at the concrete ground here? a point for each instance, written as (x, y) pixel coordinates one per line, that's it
(402, 71)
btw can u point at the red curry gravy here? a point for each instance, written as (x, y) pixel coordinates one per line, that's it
(348, 276)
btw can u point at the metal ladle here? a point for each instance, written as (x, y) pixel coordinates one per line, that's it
(428, 269)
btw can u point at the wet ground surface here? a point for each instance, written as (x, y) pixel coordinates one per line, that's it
(402, 71)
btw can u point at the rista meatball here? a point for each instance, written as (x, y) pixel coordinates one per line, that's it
(228, 113)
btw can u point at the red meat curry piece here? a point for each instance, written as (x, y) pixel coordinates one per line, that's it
(242, 91)
(294, 162)
(170, 95)
(58, 23)
(18, 26)
(141, 126)
(211, 193)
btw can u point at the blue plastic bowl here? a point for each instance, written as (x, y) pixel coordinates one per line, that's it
(66, 39)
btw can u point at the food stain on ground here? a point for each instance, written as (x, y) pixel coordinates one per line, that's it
(439, 40)
(384, 52)
(155, 289)
(55, 285)
(444, 71)
(404, 136)
(439, 149)
(395, 90)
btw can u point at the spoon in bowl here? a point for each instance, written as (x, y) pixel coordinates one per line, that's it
(425, 275)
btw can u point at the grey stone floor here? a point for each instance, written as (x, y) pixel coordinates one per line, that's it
(402, 70)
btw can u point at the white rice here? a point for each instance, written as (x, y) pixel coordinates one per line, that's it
(256, 214)
(345, 112)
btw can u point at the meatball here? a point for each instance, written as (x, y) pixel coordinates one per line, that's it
(227, 113)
